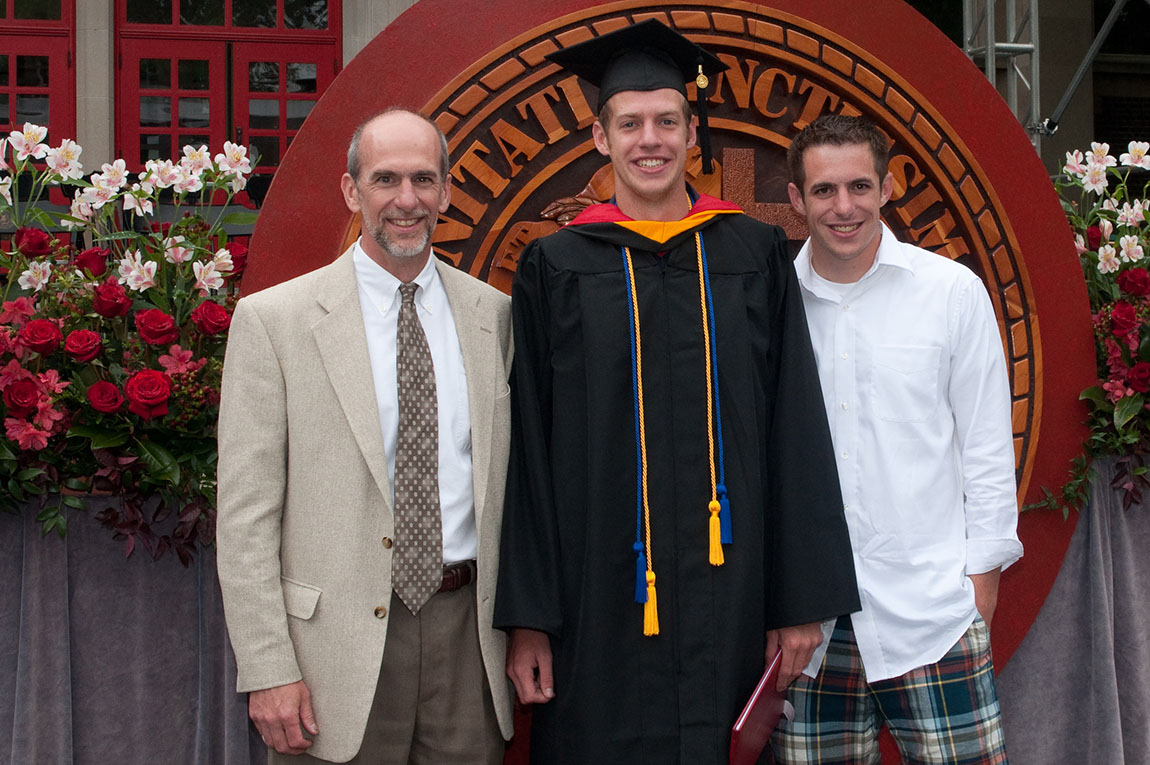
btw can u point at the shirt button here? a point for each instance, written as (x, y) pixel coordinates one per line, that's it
(844, 405)
(845, 455)
(846, 306)
(846, 506)
(387, 543)
(380, 612)
(844, 354)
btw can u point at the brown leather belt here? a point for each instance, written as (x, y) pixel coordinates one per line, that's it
(457, 575)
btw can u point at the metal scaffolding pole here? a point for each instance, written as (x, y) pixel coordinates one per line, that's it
(1010, 63)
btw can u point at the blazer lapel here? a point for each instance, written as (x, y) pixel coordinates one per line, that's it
(477, 341)
(342, 342)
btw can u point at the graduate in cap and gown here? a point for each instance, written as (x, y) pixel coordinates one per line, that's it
(673, 512)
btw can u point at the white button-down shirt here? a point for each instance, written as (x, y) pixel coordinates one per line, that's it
(915, 387)
(379, 300)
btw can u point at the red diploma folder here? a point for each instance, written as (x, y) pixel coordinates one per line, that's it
(759, 717)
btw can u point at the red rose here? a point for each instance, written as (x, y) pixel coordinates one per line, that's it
(1135, 281)
(109, 299)
(148, 393)
(82, 345)
(157, 327)
(1138, 377)
(41, 336)
(239, 253)
(21, 397)
(32, 242)
(94, 260)
(1093, 237)
(105, 397)
(1123, 319)
(211, 318)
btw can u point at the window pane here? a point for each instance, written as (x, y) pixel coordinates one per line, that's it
(150, 11)
(194, 112)
(265, 149)
(31, 108)
(154, 147)
(36, 9)
(3, 68)
(192, 140)
(301, 78)
(32, 71)
(4, 110)
(202, 12)
(263, 77)
(263, 114)
(155, 74)
(297, 111)
(156, 111)
(305, 14)
(254, 13)
(193, 74)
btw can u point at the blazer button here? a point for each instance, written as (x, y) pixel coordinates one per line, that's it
(387, 543)
(380, 612)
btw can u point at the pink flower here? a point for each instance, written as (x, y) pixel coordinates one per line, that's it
(26, 435)
(12, 372)
(1074, 164)
(177, 361)
(1138, 155)
(1116, 390)
(17, 312)
(51, 381)
(27, 142)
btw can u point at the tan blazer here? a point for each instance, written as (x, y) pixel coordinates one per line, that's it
(304, 497)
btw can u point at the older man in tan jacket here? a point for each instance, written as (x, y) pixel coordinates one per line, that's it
(315, 545)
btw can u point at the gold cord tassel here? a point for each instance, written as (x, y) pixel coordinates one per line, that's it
(650, 608)
(716, 557)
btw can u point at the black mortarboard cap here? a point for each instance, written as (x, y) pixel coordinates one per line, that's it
(645, 56)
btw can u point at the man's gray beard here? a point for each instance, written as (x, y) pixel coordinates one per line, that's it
(394, 250)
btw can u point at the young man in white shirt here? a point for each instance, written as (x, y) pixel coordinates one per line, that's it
(915, 388)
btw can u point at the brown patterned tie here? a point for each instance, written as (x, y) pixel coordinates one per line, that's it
(417, 564)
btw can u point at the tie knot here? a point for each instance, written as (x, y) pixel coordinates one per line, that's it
(407, 292)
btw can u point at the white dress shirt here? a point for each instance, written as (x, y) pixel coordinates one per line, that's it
(914, 382)
(379, 300)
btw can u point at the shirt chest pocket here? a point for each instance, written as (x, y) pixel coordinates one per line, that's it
(904, 382)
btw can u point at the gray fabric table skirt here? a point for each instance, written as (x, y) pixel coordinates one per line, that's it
(1077, 690)
(111, 660)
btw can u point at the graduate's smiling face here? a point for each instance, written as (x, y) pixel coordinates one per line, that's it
(646, 135)
(841, 198)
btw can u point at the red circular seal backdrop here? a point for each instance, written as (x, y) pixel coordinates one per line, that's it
(968, 184)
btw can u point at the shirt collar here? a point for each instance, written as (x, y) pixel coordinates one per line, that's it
(381, 286)
(890, 254)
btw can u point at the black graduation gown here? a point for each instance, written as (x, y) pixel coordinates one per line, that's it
(567, 564)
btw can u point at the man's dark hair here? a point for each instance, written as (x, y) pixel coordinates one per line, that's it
(353, 159)
(838, 130)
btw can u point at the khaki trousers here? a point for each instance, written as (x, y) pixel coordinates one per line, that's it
(432, 703)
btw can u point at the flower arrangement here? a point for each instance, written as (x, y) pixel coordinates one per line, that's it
(1108, 213)
(111, 350)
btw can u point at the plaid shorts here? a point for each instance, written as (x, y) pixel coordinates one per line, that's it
(945, 712)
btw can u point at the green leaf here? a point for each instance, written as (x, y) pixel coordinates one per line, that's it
(1096, 396)
(73, 501)
(1127, 409)
(5, 452)
(101, 438)
(241, 218)
(160, 462)
(27, 474)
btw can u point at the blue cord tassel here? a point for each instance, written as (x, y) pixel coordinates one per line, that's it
(724, 514)
(640, 574)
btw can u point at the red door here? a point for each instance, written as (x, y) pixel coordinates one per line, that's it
(274, 87)
(172, 93)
